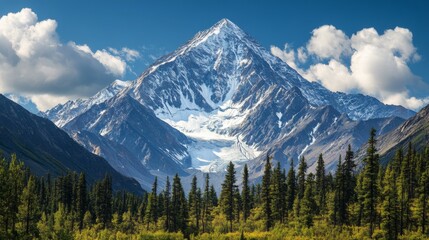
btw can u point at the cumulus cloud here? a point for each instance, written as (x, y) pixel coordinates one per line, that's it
(367, 62)
(36, 65)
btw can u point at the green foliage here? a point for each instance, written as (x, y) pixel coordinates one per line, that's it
(379, 202)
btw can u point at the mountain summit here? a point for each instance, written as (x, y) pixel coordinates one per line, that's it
(222, 97)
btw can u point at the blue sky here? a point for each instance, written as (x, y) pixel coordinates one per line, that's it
(153, 28)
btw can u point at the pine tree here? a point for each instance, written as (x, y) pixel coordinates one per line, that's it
(81, 202)
(207, 204)
(291, 187)
(16, 183)
(308, 203)
(390, 206)
(227, 195)
(151, 214)
(245, 194)
(370, 187)
(302, 169)
(167, 205)
(321, 184)
(404, 190)
(266, 196)
(179, 206)
(422, 201)
(276, 192)
(349, 184)
(337, 214)
(194, 204)
(29, 211)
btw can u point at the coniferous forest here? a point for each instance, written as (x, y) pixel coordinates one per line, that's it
(373, 201)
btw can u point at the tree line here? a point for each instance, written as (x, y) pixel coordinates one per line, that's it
(387, 202)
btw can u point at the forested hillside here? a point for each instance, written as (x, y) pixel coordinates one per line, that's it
(380, 202)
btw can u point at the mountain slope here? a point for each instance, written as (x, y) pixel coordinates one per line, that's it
(414, 130)
(45, 148)
(222, 97)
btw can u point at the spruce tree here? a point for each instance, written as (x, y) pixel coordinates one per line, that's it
(370, 186)
(207, 204)
(194, 204)
(308, 203)
(291, 187)
(167, 206)
(349, 183)
(29, 210)
(81, 202)
(179, 207)
(422, 201)
(302, 169)
(276, 193)
(390, 206)
(245, 194)
(266, 196)
(337, 214)
(321, 184)
(227, 195)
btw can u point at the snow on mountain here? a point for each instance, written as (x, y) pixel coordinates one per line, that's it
(222, 97)
(64, 113)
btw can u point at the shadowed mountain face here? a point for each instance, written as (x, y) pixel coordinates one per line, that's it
(414, 130)
(47, 149)
(222, 97)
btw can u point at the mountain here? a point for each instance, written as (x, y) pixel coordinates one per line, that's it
(63, 113)
(222, 97)
(45, 148)
(414, 130)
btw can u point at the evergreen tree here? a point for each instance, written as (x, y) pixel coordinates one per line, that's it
(207, 204)
(227, 194)
(28, 213)
(337, 214)
(308, 203)
(194, 204)
(349, 184)
(302, 169)
(266, 195)
(167, 205)
(81, 202)
(151, 214)
(245, 194)
(390, 206)
(291, 187)
(179, 206)
(276, 192)
(321, 184)
(422, 201)
(370, 187)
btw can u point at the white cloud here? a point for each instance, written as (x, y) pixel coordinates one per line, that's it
(328, 42)
(36, 65)
(287, 55)
(367, 62)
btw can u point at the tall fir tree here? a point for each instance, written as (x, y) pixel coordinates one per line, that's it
(291, 187)
(29, 210)
(308, 203)
(194, 204)
(349, 184)
(266, 195)
(337, 214)
(227, 195)
(321, 185)
(245, 194)
(81, 202)
(179, 206)
(302, 170)
(167, 206)
(369, 185)
(390, 206)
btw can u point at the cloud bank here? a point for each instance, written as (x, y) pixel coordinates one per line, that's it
(36, 65)
(367, 62)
